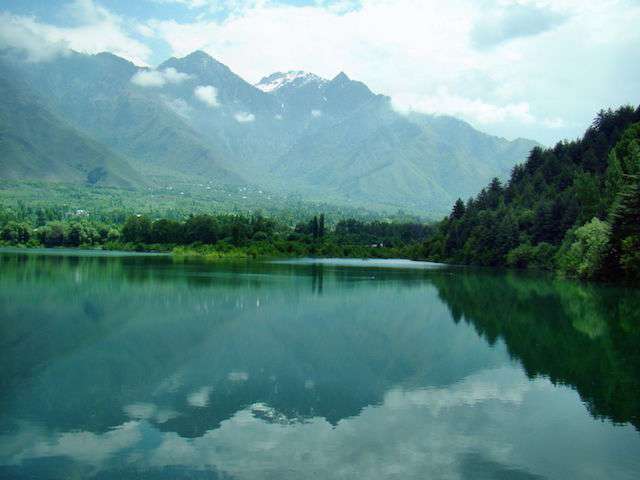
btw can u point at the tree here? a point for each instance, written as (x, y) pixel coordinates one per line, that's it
(458, 210)
(79, 233)
(136, 229)
(625, 231)
(166, 231)
(16, 232)
(585, 249)
(313, 227)
(53, 234)
(201, 228)
(321, 228)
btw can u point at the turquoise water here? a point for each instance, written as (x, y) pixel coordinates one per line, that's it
(118, 367)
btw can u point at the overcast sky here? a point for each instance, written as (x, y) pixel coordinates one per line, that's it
(516, 68)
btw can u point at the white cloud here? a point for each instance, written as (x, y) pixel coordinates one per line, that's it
(178, 106)
(476, 110)
(207, 94)
(200, 398)
(26, 34)
(238, 376)
(150, 412)
(157, 78)
(95, 30)
(148, 78)
(554, 122)
(543, 56)
(174, 76)
(244, 117)
(191, 4)
(316, 113)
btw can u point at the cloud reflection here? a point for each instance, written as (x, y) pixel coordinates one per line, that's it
(421, 433)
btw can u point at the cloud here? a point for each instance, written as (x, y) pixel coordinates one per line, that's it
(82, 446)
(207, 94)
(316, 113)
(174, 76)
(477, 110)
(191, 4)
(150, 412)
(513, 21)
(27, 35)
(508, 61)
(157, 78)
(94, 30)
(214, 6)
(148, 78)
(244, 117)
(178, 106)
(200, 398)
(239, 376)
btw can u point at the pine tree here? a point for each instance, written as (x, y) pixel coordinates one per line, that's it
(458, 210)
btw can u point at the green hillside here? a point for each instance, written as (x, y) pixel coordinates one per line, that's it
(36, 144)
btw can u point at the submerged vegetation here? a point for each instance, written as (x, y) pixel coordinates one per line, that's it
(574, 208)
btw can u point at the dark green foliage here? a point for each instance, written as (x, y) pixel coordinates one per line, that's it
(16, 232)
(222, 235)
(578, 197)
(625, 227)
(137, 229)
(53, 234)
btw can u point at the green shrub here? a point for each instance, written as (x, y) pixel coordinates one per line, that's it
(584, 249)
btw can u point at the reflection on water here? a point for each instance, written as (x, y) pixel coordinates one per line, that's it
(121, 367)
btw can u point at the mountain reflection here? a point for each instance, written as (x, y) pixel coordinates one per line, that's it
(283, 370)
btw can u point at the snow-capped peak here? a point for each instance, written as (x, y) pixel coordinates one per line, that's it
(294, 78)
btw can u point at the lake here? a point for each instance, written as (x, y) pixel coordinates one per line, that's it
(123, 366)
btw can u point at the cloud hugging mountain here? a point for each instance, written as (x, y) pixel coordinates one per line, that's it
(192, 119)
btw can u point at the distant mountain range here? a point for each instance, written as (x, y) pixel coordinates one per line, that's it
(102, 120)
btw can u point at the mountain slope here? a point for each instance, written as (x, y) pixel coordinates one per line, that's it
(95, 94)
(375, 155)
(36, 144)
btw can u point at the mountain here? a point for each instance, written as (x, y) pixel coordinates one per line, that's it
(194, 119)
(295, 79)
(36, 144)
(94, 93)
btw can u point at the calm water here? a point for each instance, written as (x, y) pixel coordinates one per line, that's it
(118, 367)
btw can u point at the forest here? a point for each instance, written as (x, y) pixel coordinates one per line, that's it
(216, 236)
(573, 208)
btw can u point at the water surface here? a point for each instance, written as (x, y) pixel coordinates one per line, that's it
(140, 367)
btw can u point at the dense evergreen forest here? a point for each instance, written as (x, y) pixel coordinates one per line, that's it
(574, 208)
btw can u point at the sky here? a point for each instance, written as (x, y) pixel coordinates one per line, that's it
(537, 69)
